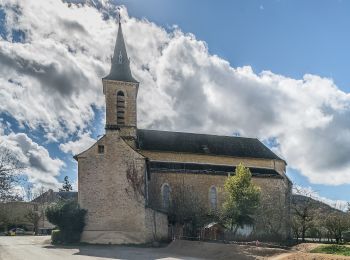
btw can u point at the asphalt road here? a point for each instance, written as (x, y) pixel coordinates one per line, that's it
(39, 248)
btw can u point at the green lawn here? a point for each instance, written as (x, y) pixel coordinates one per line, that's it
(332, 249)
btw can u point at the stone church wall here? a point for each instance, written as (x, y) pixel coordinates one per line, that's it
(199, 184)
(112, 189)
(278, 165)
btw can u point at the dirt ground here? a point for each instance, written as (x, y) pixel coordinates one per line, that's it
(33, 248)
(204, 250)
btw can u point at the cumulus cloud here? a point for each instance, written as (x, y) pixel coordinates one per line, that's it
(53, 78)
(78, 146)
(39, 167)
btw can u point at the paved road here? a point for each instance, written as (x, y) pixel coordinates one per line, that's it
(39, 248)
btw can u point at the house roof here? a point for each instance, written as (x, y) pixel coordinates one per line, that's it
(212, 169)
(120, 68)
(232, 146)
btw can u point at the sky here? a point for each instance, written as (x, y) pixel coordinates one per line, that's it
(275, 70)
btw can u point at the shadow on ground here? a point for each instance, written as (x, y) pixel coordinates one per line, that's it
(178, 249)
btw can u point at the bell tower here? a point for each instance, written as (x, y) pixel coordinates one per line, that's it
(120, 90)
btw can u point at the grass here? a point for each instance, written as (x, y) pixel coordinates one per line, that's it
(332, 249)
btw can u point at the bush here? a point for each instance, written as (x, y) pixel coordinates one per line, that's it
(346, 236)
(56, 237)
(69, 218)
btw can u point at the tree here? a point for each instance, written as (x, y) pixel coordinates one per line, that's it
(33, 217)
(9, 169)
(242, 200)
(36, 214)
(4, 217)
(273, 214)
(187, 210)
(66, 185)
(318, 230)
(69, 218)
(303, 214)
(295, 225)
(336, 224)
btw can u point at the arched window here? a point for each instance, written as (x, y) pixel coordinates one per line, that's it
(120, 108)
(213, 197)
(165, 196)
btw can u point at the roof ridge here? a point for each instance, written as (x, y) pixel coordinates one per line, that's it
(180, 132)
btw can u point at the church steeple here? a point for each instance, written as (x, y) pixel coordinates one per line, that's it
(120, 89)
(120, 68)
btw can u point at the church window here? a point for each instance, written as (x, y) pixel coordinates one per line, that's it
(120, 108)
(213, 197)
(101, 149)
(166, 195)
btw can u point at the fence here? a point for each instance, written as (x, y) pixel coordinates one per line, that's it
(215, 233)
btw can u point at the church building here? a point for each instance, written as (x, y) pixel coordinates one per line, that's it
(128, 179)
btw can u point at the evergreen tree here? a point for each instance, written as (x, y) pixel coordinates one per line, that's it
(242, 200)
(66, 185)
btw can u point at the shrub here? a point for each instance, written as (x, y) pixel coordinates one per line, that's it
(56, 237)
(332, 249)
(69, 218)
(346, 236)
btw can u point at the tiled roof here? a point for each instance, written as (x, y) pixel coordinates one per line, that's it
(165, 141)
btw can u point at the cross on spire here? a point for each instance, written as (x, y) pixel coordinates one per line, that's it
(119, 18)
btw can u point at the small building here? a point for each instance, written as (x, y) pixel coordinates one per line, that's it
(213, 231)
(15, 213)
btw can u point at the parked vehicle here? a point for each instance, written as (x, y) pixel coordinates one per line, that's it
(15, 232)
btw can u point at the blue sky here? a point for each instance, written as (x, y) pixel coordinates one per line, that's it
(291, 38)
(288, 38)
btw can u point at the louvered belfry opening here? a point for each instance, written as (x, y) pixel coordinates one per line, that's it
(120, 108)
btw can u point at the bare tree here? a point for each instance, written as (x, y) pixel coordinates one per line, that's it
(272, 214)
(10, 166)
(303, 214)
(336, 224)
(36, 214)
(186, 209)
(33, 217)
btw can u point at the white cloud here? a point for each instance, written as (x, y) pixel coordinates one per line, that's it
(78, 146)
(54, 77)
(40, 168)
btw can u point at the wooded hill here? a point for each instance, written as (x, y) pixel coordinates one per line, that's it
(322, 207)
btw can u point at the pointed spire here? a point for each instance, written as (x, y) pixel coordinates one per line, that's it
(120, 69)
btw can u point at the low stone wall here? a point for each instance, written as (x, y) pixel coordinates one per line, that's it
(112, 237)
(155, 229)
(156, 225)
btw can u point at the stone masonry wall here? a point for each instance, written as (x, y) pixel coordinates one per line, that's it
(111, 188)
(278, 165)
(110, 89)
(200, 185)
